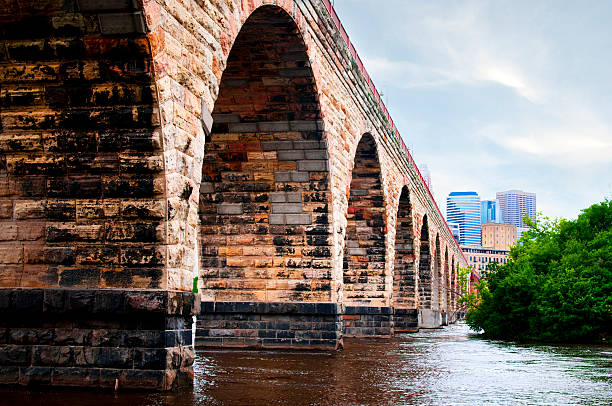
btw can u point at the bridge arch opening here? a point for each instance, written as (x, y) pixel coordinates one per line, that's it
(404, 272)
(453, 288)
(263, 208)
(425, 293)
(404, 283)
(436, 280)
(364, 243)
(447, 281)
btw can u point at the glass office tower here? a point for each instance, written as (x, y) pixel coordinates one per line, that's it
(464, 208)
(490, 211)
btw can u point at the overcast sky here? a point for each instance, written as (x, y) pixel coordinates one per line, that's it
(497, 95)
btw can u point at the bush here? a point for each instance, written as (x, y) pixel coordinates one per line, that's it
(556, 286)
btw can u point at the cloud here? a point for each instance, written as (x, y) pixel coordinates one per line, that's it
(508, 76)
(497, 95)
(576, 143)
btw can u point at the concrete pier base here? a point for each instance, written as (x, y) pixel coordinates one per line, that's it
(430, 318)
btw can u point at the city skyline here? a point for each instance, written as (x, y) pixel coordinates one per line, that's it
(515, 95)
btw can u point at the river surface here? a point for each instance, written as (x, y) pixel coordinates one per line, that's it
(449, 366)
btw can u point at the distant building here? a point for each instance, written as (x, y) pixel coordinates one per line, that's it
(455, 230)
(490, 211)
(515, 203)
(426, 174)
(480, 257)
(498, 236)
(463, 208)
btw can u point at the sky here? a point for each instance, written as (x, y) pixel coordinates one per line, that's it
(496, 95)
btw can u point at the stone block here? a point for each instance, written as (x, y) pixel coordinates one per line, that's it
(317, 154)
(226, 118)
(276, 219)
(286, 208)
(300, 125)
(229, 208)
(312, 166)
(298, 219)
(72, 376)
(310, 145)
(15, 355)
(276, 145)
(34, 376)
(290, 155)
(243, 127)
(122, 23)
(274, 126)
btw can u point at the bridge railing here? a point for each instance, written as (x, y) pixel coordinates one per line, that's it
(353, 51)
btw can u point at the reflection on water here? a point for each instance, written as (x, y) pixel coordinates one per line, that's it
(449, 366)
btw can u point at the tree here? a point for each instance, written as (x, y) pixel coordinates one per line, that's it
(557, 284)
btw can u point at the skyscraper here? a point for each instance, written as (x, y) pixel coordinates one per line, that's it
(464, 208)
(515, 203)
(490, 211)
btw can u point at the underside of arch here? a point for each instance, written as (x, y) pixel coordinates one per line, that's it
(364, 285)
(425, 271)
(264, 198)
(404, 272)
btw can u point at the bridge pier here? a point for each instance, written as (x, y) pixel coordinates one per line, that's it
(430, 318)
(312, 326)
(368, 321)
(405, 320)
(96, 338)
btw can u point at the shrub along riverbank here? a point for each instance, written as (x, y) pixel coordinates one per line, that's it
(556, 286)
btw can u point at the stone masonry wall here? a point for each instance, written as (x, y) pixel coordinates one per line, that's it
(404, 271)
(81, 171)
(264, 200)
(96, 338)
(364, 249)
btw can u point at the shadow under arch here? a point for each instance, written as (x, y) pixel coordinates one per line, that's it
(424, 287)
(437, 277)
(404, 272)
(264, 198)
(364, 256)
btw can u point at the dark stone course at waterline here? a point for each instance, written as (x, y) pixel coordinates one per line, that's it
(96, 338)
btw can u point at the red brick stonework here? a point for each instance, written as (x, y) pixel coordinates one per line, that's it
(145, 142)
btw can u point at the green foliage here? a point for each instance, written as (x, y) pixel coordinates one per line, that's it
(195, 285)
(557, 284)
(468, 298)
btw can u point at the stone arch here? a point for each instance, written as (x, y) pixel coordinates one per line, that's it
(447, 282)
(453, 299)
(404, 275)
(364, 246)
(425, 271)
(404, 297)
(437, 276)
(444, 284)
(264, 201)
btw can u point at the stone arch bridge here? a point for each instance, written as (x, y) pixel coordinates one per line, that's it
(144, 142)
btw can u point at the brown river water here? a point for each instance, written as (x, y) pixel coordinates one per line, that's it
(449, 366)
